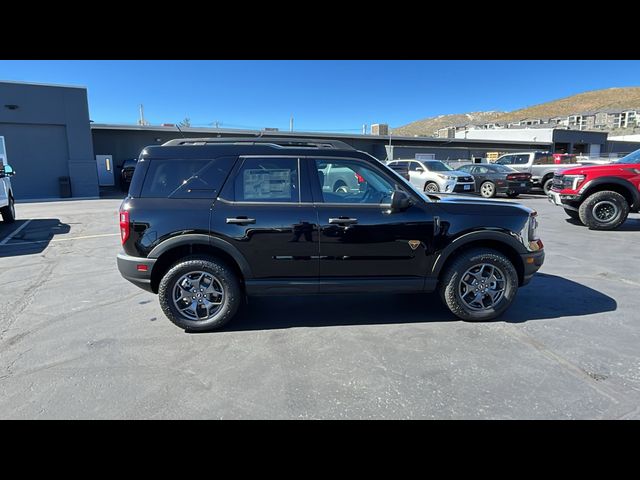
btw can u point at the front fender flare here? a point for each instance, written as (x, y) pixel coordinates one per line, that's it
(499, 236)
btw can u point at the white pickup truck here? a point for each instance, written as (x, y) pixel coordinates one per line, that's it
(7, 204)
(541, 166)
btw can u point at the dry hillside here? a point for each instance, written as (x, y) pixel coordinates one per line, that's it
(429, 126)
(611, 98)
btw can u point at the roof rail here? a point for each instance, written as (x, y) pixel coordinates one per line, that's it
(282, 142)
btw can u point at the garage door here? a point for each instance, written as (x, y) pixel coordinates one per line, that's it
(39, 155)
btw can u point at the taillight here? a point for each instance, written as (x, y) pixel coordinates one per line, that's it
(360, 178)
(518, 176)
(124, 226)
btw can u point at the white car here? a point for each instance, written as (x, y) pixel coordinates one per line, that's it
(7, 203)
(434, 176)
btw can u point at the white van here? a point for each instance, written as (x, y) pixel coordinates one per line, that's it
(7, 203)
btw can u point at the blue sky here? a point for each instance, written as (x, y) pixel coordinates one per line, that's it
(322, 95)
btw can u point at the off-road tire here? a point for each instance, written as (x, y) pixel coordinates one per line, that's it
(222, 272)
(450, 280)
(587, 210)
(9, 212)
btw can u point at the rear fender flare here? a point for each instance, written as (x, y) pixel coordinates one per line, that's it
(201, 239)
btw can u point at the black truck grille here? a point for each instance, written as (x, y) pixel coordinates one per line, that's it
(558, 181)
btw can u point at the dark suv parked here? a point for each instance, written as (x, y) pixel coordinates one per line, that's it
(210, 221)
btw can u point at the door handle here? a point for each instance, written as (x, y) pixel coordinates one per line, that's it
(241, 220)
(343, 221)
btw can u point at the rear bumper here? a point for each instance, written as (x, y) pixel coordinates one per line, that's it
(129, 269)
(532, 263)
(516, 187)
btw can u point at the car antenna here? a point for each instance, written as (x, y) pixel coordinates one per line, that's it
(178, 127)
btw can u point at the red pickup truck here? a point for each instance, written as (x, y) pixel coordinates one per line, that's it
(600, 196)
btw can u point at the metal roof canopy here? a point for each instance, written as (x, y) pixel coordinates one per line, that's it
(254, 134)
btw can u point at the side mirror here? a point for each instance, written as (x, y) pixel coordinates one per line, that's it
(6, 171)
(419, 169)
(399, 201)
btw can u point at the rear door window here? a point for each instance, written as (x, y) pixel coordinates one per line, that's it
(266, 180)
(182, 178)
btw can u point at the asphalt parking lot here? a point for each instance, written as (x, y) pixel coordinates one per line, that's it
(78, 341)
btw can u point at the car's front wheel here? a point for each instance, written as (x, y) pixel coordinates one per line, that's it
(604, 210)
(200, 293)
(431, 187)
(9, 212)
(479, 285)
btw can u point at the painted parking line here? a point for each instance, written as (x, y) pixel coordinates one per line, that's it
(15, 232)
(59, 239)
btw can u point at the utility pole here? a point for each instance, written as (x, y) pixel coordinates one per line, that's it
(291, 123)
(141, 120)
(364, 128)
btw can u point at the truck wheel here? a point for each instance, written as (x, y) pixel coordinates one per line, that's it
(9, 212)
(340, 187)
(604, 210)
(431, 187)
(479, 285)
(200, 293)
(572, 213)
(546, 186)
(488, 190)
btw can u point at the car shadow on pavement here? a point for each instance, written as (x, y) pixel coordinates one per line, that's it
(546, 297)
(630, 225)
(27, 237)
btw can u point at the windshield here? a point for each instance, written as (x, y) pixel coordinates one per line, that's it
(633, 157)
(437, 167)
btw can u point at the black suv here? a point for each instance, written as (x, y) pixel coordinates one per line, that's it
(210, 221)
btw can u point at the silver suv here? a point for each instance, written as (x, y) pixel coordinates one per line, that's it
(434, 176)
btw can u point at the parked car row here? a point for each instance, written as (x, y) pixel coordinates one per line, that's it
(486, 179)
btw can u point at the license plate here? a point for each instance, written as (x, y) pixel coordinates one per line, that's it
(467, 187)
(523, 184)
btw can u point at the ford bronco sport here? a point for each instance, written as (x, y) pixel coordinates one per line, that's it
(208, 222)
(599, 196)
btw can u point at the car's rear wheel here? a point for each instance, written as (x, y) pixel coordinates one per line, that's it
(479, 285)
(604, 210)
(431, 187)
(488, 190)
(340, 187)
(200, 293)
(9, 212)
(572, 213)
